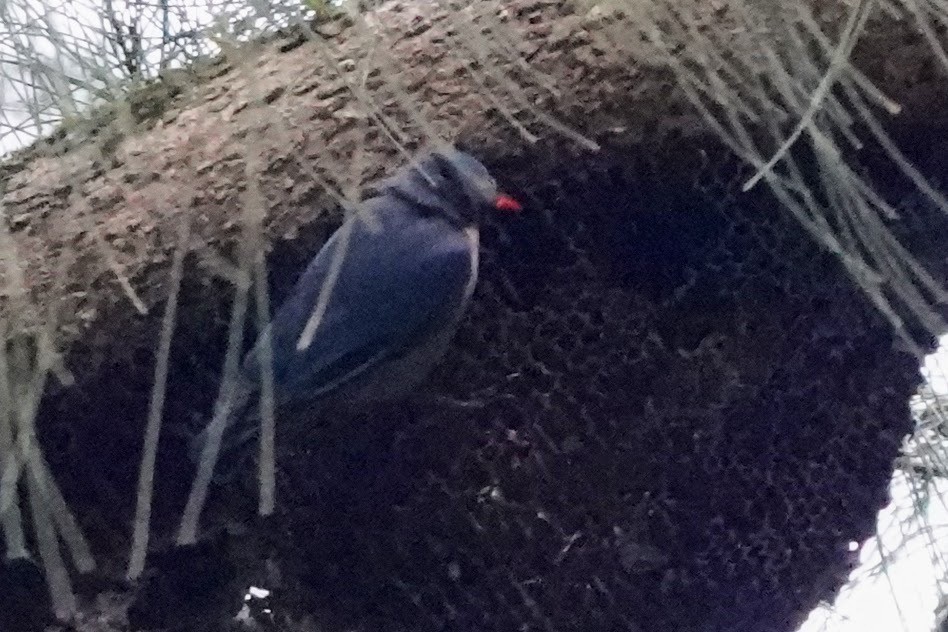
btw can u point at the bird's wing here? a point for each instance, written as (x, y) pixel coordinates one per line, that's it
(395, 285)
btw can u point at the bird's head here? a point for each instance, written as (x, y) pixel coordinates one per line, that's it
(451, 183)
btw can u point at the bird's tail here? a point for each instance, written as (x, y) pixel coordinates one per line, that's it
(241, 424)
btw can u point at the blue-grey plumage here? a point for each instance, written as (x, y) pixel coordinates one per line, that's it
(408, 270)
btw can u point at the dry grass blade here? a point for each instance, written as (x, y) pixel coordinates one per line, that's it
(341, 245)
(854, 26)
(253, 216)
(267, 397)
(187, 531)
(136, 563)
(29, 380)
(10, 515)
(57, 577)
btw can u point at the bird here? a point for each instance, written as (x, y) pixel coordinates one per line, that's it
(409, 266)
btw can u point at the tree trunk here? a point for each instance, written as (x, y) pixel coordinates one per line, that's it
(290, 99)
(704, 409)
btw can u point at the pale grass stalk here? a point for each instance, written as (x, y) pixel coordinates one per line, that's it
(342, 237)
(503, 42)
(254, 214)
(851, 32)
(11, 517)
(473, 41)
(65, 521)
(28, 391)
(109, 256)
(388, 126)
(29, 399)
(10, 512)
(142, 521)
(57, 577)
(417, 110)
(187, 531)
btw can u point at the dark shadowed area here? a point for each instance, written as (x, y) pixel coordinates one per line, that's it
(687, 413)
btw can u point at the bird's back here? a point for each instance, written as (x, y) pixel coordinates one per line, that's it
(403, 282)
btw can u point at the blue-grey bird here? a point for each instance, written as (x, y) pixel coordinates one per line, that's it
(409, 267)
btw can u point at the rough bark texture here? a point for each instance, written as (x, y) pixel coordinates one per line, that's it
(691, 411)
(189, 162)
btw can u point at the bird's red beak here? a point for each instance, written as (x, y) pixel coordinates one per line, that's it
(504, 202)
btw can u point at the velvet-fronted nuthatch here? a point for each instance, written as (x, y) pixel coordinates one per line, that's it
(408, 267)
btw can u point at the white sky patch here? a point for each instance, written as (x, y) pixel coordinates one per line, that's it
(55, 47)
(934, 369)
